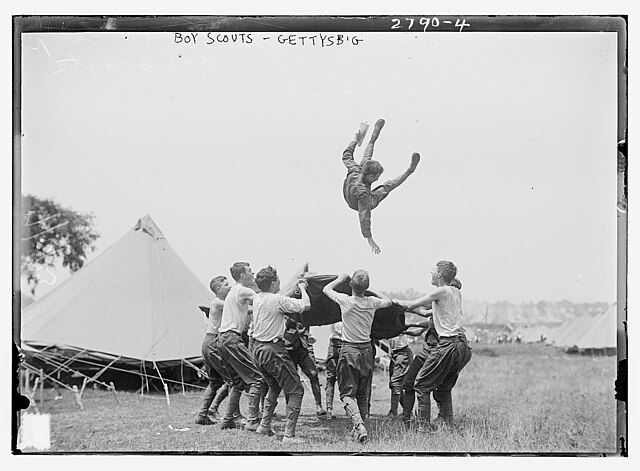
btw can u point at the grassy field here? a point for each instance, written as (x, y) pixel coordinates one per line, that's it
(510, 398)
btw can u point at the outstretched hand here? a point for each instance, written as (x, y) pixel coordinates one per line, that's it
(342, 277)
(375, 248)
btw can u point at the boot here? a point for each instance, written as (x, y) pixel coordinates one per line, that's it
(229, 420)
(395, 400)
(364, 407)
(204, 421)
(360, 433)
(424, 411)
(293, 411)
(408, 400)
(320, 412)
(253, 415)
(267, 416)
(214, 410)
(329, 392)
(445, 408)
(359, 430)
(202, 417)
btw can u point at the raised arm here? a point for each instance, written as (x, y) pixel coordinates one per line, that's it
(328, 290)
(292, 290)
(302, 285)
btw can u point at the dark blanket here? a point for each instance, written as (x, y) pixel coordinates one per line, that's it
(387, 323)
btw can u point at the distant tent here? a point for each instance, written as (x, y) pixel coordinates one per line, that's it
(551, 332)
(136, 302)
(532, 334)
(602, 333)
(579, 326)
(564, 332)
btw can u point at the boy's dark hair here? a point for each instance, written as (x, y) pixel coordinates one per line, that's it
(447, 269)
(360, 281)
(265, 277)
(372, 167)
(216, 283)
(456, 283)
(238, 269)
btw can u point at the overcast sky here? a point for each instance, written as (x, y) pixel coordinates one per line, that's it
(235, 152)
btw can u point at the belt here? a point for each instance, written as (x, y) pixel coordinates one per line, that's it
(276, 340)
(453, 337)
(356, 344)
(400, 348)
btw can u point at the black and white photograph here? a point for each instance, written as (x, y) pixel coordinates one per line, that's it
(320, 234)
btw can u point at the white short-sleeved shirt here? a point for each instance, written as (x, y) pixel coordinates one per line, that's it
(447, 313)
(335, 331)
(235, 316)
(357, 316)
(215, 316)
(268, 315)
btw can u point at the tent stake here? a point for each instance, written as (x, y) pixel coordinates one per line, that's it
(77, 396)
(84, 383)
(166, 389)
(33, 393)
(113, 388)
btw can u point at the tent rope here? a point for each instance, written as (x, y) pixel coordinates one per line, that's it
(144, 375)
(166, 389)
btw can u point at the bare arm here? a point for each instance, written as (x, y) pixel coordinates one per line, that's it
(381, 296)
(423, 301)
(422, 311)
(246, 295)
(414, 331)
(217, 303)
(423, 324)
(304, 295)
(293, 289)
(328, 290)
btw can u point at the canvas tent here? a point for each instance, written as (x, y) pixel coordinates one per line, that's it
(134, 304)
(601, 334)
(558, 336)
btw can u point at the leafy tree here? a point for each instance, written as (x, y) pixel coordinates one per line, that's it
(51, 232)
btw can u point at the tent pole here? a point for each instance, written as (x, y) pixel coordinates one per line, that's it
(182, 377)
(142, 379)
(41, 388)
